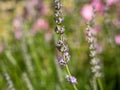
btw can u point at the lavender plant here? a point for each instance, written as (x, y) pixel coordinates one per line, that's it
(9, 82)
(96, 65)
(64, 56)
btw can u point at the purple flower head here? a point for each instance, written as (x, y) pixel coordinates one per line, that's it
(59, 20)
(58, 6)
(59, 30)
(61, 61)
(58, 13)
(71, 79)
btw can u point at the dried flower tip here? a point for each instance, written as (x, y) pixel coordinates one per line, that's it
(61, 61)
(58, 6)
(59, 20)
(71, 79)
(62, 30)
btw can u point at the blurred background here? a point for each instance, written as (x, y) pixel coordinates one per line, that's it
(27, 44)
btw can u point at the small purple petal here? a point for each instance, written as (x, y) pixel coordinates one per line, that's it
(61, 61)
(71, 79)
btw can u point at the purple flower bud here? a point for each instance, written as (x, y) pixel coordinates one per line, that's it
(59, 20)
(59, 30)
(71, 79)
(58, 6)
(62, 30)
(61, 61)
(58, 13)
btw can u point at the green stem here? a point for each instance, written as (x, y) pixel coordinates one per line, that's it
(67, 68)
(94, 84)
(100, 84)
(68, 71)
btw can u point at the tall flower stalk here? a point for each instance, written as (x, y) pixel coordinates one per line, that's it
(95, 62)
(9, 82)
(63, 50)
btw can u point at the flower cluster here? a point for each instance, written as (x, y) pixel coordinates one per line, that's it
(9, 82)
(95, 61)
(71, 79)
(61, 45)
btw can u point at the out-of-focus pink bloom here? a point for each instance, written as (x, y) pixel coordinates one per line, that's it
(116, 23)
(48, 36)
(40, 24)
(98, 5)
(99, 47)
(16, 23)
(87, 12)
(18, 34)
(110, 2)
(117, 39)
(96, 30)
(43, 9)
(33, 2)
(1, 48)
(29, 10)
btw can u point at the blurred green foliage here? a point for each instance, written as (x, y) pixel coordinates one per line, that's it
(31, 61)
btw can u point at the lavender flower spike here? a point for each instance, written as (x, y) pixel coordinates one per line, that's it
(61, 45)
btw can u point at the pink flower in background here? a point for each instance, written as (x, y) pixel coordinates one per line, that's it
(99, 48)
(17, 23)
(1, 48)
(98, 5)
(48, 36)
(117, 39)
(96, 30)
(87, 12)
(43, 8)
(18, 34)
(110, 2)
(40, 24)
(116, 23)
(33, 2)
